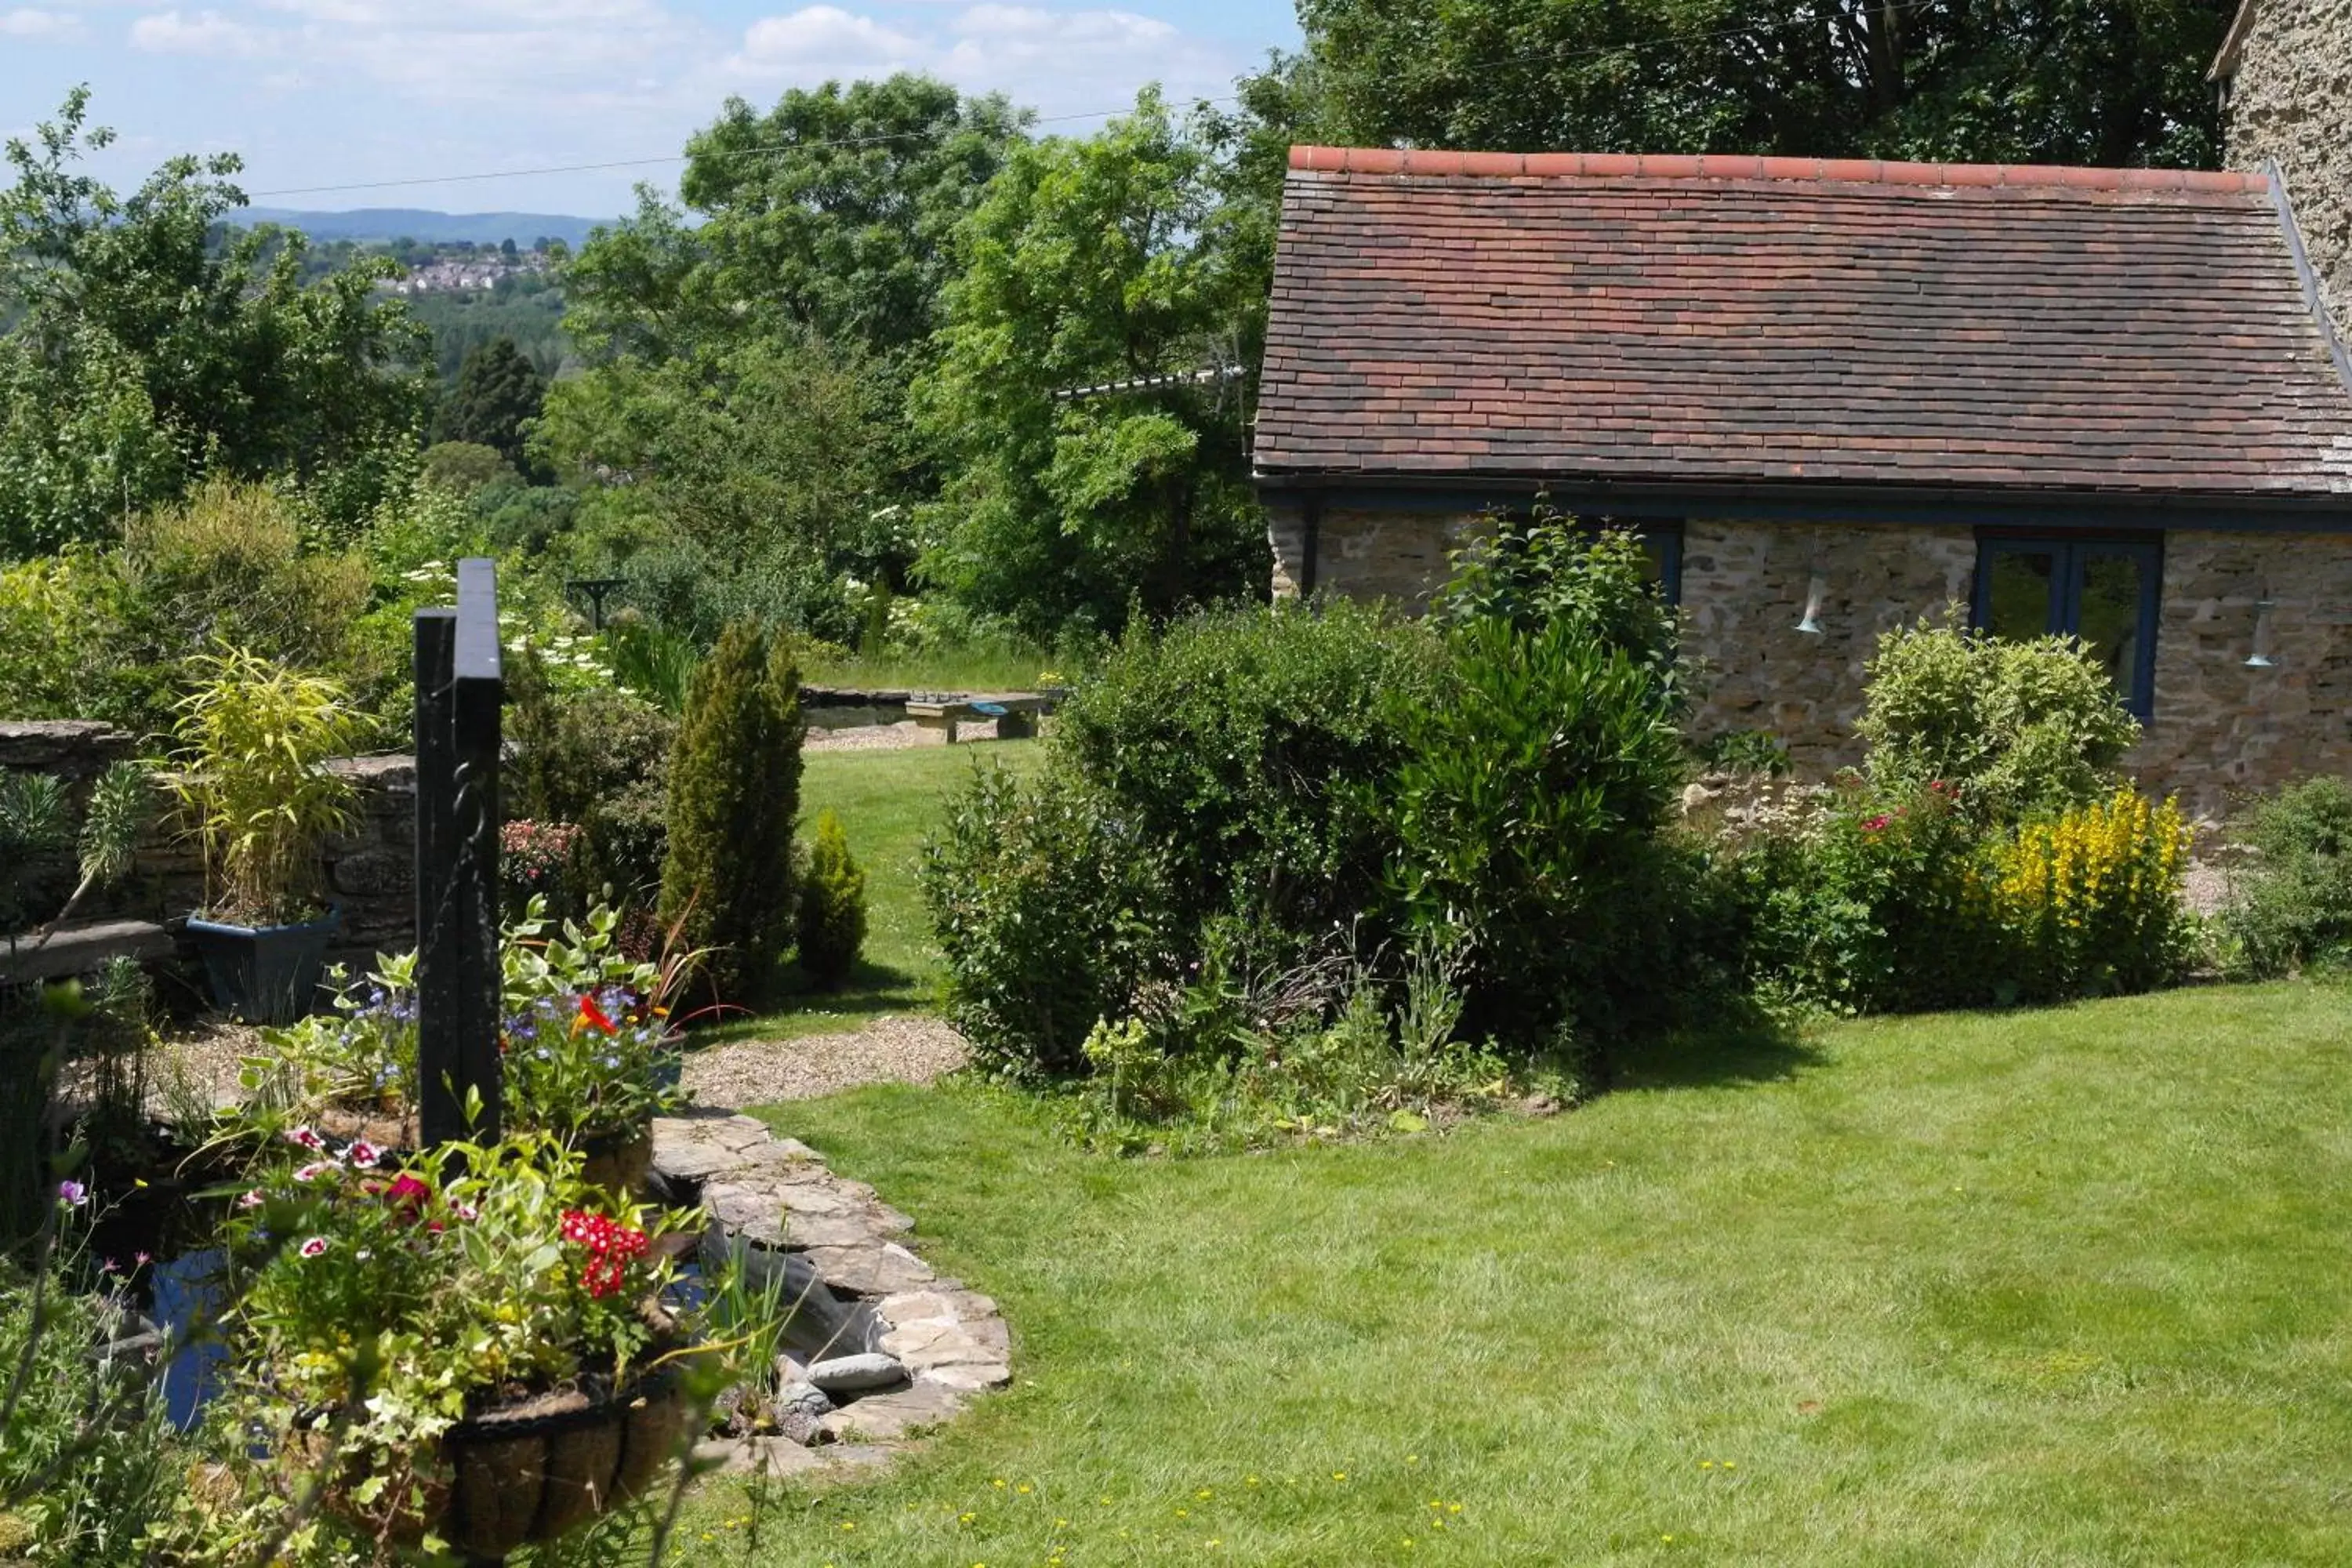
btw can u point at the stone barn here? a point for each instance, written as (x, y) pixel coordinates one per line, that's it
(1834, 397)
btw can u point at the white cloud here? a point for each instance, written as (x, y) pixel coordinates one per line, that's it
(824, 40)
(26, 22)
(207, 33)
(1061, 62)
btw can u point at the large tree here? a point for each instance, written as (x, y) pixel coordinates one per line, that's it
(1094, 262)
(147, 349)
(834, 210)
(2116, 82)
(498, 392)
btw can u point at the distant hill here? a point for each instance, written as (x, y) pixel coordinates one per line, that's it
(425, 227)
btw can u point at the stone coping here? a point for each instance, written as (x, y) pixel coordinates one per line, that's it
(777, 1197)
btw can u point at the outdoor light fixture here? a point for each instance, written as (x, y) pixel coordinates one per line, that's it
(2260, 657)
(1814, 590)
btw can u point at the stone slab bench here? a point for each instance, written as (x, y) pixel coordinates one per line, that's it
(1015, 713)
(83, 947)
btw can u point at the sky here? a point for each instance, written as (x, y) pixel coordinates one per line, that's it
(342, 93)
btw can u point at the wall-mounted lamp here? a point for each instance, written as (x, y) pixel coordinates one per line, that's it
(1815, 591)
(2260, 657)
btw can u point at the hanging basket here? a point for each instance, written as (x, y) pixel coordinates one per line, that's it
(533, 1471)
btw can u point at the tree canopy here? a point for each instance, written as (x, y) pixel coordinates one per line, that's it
(2116, 82)
(1095, 260)
(144, 354)
(498, 392)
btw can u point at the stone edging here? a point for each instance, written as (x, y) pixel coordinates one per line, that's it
(866, 1293)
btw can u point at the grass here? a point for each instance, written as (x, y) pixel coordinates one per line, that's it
(2058, 1288)
(887, 801)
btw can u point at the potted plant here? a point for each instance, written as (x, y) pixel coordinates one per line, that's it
(253, 785)
(469, 1353)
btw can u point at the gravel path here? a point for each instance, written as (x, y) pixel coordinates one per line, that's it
(762, 1072)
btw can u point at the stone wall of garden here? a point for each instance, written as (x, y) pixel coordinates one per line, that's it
(2221, 728)
(370, 872)
(2290, 99)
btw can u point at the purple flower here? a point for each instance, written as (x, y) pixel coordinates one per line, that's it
(73, 1195)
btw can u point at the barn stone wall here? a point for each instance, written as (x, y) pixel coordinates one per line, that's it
(2222, 728)
(2290, 98)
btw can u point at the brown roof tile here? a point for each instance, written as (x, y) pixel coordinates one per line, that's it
(1669, 320)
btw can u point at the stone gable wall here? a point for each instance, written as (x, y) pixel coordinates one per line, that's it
(2291, 101)
(2221, 730)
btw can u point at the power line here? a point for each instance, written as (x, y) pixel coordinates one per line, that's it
(1563, 54)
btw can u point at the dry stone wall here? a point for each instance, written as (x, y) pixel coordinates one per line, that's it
(371, 871)
(2290, 99)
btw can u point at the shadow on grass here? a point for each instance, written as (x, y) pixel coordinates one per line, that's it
(873, 991)
(1746, 1047)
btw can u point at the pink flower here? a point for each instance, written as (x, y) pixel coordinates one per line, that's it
(308, 1140)
(466, 1211)
(311, 1173)
(1872, 824)
(313, 1247)
(406, 1192)
(363, 1155)
(252, 1200)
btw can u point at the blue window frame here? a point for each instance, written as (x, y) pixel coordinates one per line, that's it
(2104, 591)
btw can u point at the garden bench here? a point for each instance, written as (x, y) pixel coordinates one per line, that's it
(1016, 712)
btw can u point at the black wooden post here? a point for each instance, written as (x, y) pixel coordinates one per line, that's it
(459, 687)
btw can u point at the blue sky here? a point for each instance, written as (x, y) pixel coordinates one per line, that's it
(317, 94)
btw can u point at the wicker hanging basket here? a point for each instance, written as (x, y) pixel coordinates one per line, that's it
(536, 1470)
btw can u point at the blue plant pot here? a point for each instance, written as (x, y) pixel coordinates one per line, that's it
(266, 974)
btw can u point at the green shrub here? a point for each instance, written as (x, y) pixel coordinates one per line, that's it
(1546, 569)
(734, 792)
(64, 641)
(1242, 744)
(598, 759)
(1527, 819)
(1875, 903)
(832, 907)
(2020, 728)
(230, 564)
(1051, 911)
(2292, 906)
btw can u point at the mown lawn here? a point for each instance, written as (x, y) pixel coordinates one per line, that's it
(888, 801)
(2059, 1288)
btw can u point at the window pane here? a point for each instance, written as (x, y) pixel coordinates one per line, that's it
(2019, 603)
(2110, 618)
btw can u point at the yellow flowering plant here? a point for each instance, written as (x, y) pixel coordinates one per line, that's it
(2089, 901)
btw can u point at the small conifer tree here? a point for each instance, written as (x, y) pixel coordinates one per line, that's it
(832, 908)
(734, 792)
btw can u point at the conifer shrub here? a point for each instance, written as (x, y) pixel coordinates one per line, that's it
(832, 907)
(734, 792)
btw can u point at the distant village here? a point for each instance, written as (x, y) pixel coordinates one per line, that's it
(461, 266)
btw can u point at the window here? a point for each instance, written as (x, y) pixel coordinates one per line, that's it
(2102, 591)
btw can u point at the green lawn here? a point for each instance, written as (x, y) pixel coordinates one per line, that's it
(889, 801)
(2059, 1288)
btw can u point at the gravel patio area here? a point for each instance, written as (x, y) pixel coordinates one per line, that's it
(762, 1072)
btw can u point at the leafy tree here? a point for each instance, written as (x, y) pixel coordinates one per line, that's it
(1094, 261)
(498, 392)
(747, 462)
(2079, 82)
(147, 352)
(734, 791)
(834, 212)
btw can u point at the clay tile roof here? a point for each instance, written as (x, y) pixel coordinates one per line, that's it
(1737, 320)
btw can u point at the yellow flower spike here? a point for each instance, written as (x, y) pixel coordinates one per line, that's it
(1024, 1489)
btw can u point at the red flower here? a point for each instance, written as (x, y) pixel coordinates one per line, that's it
(592, 1015)
(610, 1245)
(1873, 823)
(408, 1192)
